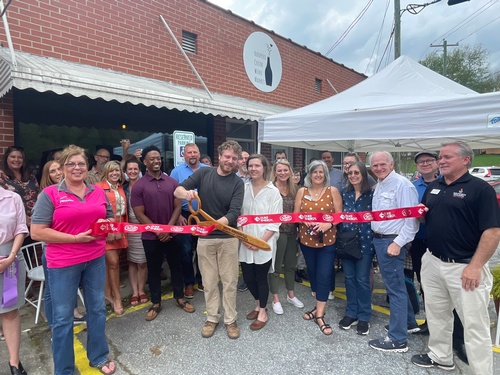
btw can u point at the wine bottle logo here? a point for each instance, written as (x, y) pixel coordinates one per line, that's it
(269, 70)
(262, 61)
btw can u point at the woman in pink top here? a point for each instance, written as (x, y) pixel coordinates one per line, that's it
(13, 230)
(62, 217)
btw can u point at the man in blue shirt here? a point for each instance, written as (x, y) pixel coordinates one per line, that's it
(189, 242)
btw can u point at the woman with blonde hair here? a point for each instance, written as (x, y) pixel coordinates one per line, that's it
(111, 182)
(62, 216)
(286, 252)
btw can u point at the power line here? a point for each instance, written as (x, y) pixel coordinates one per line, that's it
(379, 37)
(353, 23)
(389, 43)
(482, 27)
(466, 20)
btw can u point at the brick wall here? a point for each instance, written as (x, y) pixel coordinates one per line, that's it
(6, 121)
(128, 36)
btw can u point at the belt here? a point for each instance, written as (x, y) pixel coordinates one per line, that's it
(451, 260)
(380, 235)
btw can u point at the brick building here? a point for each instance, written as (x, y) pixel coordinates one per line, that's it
(80, 70)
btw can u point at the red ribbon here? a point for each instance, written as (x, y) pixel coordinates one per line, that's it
(297, 217)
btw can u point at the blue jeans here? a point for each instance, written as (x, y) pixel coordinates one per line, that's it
(319, 262)
(63, 284)
(392, 270)
(358, 288)
(47, 298)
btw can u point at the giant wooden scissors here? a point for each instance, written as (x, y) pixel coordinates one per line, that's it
(194, 219)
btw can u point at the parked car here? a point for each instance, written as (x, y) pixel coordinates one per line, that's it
(496, 186)
(486, 173)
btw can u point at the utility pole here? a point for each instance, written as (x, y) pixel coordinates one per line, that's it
(397, 29)
(445, 46)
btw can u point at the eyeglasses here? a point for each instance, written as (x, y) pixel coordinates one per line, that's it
(350, 173)
(426, 161)
(74, 165)
(348, 163)
(103, 156)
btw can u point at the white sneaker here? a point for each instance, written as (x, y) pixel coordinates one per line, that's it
(295, 301)
(277, 308)
(331, 296)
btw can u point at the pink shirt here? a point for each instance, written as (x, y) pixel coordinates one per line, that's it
(12, 217)
(67, 213)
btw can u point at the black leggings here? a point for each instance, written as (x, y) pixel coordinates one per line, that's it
(256, 278)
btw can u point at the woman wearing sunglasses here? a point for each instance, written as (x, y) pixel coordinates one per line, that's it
(357, 197)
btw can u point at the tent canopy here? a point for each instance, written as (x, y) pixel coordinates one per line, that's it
(405, 107)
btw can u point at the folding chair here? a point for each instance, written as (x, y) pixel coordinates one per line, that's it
(34, 268)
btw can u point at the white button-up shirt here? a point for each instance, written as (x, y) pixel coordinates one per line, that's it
(267, 201)
(395, 191)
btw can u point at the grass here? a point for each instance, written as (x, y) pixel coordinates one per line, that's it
(486, 160)
(495, 291)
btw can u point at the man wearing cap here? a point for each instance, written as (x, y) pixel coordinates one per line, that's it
(427, 167)
(463, 231)
(390, 239)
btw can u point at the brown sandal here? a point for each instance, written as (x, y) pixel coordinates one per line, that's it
(309, 315)
(186, 306)
(323, 327)
(154, 310)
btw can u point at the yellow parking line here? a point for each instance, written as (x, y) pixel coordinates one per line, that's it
(81, 360)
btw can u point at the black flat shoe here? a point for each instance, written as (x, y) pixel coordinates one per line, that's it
(17, 370)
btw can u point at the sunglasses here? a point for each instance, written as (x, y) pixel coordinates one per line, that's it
(350, 173)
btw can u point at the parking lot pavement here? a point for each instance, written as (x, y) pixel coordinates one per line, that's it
(172, 344)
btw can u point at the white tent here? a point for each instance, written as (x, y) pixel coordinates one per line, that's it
(405, 107)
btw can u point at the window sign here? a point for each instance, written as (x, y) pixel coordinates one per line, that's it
(262, 61)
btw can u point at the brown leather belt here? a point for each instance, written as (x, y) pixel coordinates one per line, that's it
(380, 235)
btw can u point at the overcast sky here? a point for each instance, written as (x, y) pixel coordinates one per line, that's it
(319, 24)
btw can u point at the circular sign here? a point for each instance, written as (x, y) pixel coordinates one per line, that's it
(262, 61)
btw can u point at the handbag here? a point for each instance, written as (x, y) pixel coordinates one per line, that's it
(348, 246)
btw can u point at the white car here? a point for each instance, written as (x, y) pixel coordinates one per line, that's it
(486, 173)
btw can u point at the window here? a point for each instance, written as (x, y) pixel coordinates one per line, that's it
(244, 132)
(189, 41)
(317, 85)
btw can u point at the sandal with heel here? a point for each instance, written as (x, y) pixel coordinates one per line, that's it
(323, 327)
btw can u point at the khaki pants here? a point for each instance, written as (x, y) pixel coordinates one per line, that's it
(443, 290)
(218, 258)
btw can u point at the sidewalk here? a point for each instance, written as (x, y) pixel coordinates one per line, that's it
(172, 344)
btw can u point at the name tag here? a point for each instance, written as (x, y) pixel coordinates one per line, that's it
(435, 191)
(308, 197)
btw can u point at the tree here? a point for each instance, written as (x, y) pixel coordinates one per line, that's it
(467, 65)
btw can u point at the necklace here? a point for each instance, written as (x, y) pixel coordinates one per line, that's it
(318, 194)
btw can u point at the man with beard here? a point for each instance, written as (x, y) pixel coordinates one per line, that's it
(102, 156)
(180, 173)
(153, 202)
(221, 193)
